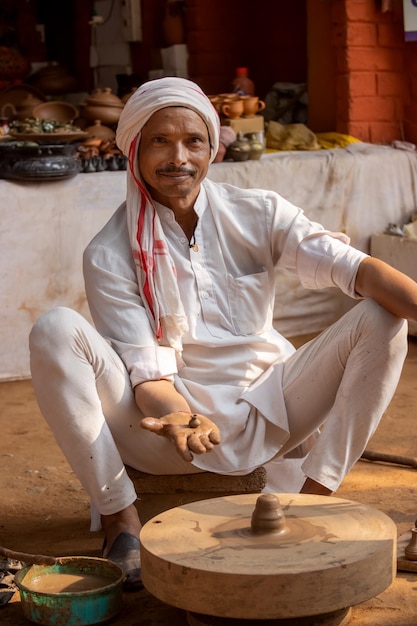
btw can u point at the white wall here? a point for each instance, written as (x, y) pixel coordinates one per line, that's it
(110, 53)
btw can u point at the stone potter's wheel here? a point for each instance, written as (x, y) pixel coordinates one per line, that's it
(268, 557)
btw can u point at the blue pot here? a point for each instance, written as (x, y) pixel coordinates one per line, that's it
(93, 604)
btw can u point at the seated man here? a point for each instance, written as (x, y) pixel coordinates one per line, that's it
(180, 284)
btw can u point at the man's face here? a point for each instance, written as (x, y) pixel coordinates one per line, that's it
(174, 153)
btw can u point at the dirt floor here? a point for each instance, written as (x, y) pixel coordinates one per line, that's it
(44, 510)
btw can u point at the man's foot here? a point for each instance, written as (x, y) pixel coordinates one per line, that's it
(312, 487)
(121, 544)
(125, 552)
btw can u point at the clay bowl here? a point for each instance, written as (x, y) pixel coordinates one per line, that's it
(76, 591)
(55, 110)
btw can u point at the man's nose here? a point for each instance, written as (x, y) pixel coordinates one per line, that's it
(179, 153)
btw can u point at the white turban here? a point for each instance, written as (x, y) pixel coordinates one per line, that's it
(158, 94)
(155, 270)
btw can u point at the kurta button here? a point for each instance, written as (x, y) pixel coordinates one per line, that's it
(184, 240)
(205, 295)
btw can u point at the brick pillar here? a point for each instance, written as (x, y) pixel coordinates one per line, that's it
(372, 82)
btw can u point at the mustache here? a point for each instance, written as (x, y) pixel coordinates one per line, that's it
(171, 169)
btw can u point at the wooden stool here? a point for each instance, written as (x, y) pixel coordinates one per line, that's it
(159, 493)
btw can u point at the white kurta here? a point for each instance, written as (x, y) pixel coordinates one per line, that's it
(227, 288)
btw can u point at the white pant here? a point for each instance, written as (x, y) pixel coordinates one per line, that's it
(344, 378)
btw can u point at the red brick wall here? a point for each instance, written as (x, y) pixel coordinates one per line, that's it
(372, 84)
(410, 111)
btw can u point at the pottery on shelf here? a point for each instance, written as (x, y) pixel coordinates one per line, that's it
(233, 109)
(55, 110)
(104, 97)
(252, 105)
(102, 105)
(100, 131)
(54, 79)
(21, 110)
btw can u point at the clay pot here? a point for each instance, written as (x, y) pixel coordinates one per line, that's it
(252, 105)
(229, 96)
(232, 109)
(55, 110)
(99, 131)
(107, 115)
(22, 110)
(104, 97)
(102, 105)
(54, 79)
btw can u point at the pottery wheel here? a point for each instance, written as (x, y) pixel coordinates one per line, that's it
(327, 555)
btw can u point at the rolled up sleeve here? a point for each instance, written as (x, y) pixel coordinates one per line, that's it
(326, 259)
(149, 363)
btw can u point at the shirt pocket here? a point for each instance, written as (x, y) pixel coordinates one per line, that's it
(249, 302)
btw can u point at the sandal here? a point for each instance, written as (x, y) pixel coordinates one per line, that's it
(125, 552)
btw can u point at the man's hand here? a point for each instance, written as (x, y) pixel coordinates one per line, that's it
(189, 433)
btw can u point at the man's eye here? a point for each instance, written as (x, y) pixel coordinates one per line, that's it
(159, 139)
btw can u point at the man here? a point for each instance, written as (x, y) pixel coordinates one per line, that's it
(180, 284)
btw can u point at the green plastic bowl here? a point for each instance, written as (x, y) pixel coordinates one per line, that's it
(97, 603)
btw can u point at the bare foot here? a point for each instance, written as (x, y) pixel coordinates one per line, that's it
(125, 521)
(315, 488)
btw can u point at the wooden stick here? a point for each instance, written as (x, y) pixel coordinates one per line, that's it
(29, 559)
(397, 459)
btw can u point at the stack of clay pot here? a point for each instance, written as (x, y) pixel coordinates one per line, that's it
(234, 106)
(102, 105)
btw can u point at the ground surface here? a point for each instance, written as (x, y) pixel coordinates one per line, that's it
(44, 510)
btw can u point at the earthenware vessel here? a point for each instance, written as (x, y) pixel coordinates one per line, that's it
(252, 105)
(103, 105)
(21, 110)
(232, 109)
(54, 79)
(55, 110)
(101, 131)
